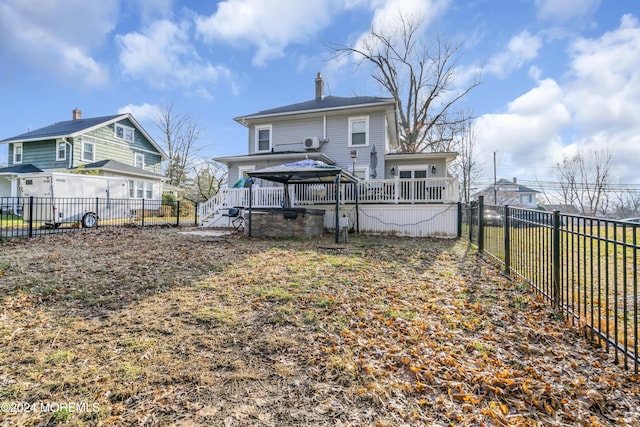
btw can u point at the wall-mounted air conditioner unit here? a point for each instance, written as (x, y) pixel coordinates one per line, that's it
(311, 143)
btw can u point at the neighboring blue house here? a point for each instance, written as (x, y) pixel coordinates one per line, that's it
(110, 145)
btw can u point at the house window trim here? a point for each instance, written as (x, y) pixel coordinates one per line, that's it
(366, 130)
(364, 169)
(413, 169)
(257, 136)
(125, 128)
(60, 158)
(93, 152)
(17, 145)
(135, 160)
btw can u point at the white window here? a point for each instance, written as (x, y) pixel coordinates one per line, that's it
(124, 132)
(17, 153)
(88, 151)
(263, 138)
(361, 173)
(61, 151)
(139, 189)
(358, 131)
(138, 159)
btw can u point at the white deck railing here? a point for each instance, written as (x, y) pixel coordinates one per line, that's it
(382, 191)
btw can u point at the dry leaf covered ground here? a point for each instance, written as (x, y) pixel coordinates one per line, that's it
(155, 327)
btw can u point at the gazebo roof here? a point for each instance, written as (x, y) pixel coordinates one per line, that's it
(304, 172)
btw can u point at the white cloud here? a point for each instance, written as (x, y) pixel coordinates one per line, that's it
(163, 56)
(520, 50)
(49, 36)
(594, 107)
(527, 135)
(605, 87)
(268, 26)
(143, 112)
(565, 10)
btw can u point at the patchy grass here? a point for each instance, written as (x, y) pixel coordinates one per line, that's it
(144, 326)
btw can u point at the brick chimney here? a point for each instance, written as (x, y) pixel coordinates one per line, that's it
(319, 88)
(77, 114)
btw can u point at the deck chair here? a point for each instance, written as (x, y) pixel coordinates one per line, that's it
(238, 220)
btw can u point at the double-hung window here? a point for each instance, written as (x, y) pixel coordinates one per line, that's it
(358, 131)
(17, 153)
(136, 189)
(61, 151)
(124, 132)
(263, 138)
(88, 151)
(138, 159)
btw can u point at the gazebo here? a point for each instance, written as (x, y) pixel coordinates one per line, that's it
(308, 172)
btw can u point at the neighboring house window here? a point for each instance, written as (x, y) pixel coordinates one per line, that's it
(149, 190)
(358, 131)
(138, 159)
(61, 151)
(17, 153)
(88, 151)
(263, 138)
(137, 189)
(124, 132)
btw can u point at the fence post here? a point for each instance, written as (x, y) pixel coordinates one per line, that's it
(177, 213)
(556, 259)
(97, 217)
(142, 216)
(480, 223)
(459, 234)
(30, 216)
(196, 206)
(507, 241)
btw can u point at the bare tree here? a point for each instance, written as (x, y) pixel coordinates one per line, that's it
(466, 165)
(207, 180)
(420, 77)
(584, 182)
(180, 133)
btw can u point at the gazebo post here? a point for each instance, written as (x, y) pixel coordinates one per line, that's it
(337, 184)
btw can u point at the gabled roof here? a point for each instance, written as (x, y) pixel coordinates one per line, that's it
(304, 172)
(516, 188)
(118, 167)
(327, 103)
(73, 128)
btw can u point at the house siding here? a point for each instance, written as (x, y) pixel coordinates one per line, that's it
(338, 147)
(41, 154)
(107, 146)
(288, 135)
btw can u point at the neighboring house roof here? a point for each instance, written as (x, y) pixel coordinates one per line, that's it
(514, 187)
(327, 103)
(28, 168)
(73, 128)
(120, 168)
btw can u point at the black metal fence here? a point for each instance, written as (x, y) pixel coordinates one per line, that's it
(34, 216)
(586, 267)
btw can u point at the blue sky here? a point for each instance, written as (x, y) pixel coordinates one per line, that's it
(557, 76)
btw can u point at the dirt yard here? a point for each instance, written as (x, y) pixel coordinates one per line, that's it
(153, 327)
